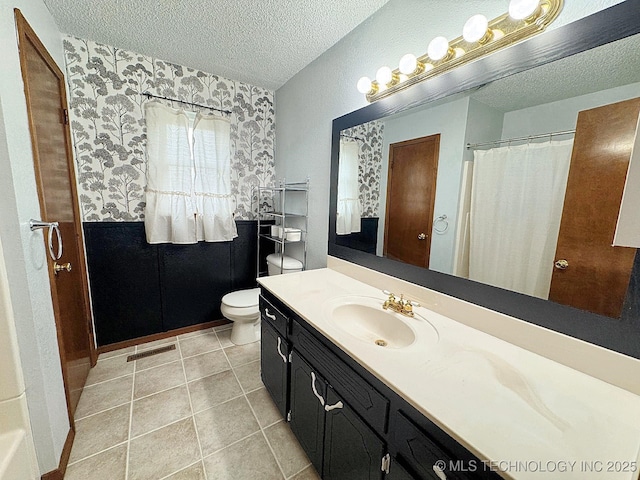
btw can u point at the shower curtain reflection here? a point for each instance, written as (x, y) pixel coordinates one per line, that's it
(517, 197)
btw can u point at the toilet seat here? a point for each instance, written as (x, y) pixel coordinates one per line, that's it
(242, 298)
(241, 314)
(241, 306)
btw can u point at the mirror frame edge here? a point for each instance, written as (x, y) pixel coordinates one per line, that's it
(623, 20)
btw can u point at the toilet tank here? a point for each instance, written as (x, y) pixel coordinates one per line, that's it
(289, 264)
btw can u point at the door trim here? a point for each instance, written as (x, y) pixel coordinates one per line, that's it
(26, 33)
(58, 473)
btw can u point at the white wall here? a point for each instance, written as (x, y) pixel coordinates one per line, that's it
(24, 252)
(449, 121)
(325, 89)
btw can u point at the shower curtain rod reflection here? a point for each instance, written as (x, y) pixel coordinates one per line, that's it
(471, 146)
(151, 95)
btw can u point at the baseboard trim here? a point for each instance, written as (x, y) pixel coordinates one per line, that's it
(160, 336)
(58, 473)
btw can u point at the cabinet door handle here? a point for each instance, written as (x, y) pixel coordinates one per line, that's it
(439, 472)
(284, 358)
(269, 315)
(328, 408)
(315, 392)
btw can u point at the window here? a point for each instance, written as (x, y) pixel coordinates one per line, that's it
(188, 193)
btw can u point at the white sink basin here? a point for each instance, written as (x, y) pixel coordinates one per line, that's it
(364, 319)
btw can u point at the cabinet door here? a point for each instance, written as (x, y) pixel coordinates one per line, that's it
(274, 354)
(307, 409)
(352, 451)
(398, 472)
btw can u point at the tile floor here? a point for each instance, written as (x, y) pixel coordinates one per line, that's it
(197, 412)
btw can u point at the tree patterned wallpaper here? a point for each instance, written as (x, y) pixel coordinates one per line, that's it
(109, 135)
(369, 164)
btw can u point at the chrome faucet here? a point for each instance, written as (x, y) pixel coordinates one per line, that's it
(402, 306)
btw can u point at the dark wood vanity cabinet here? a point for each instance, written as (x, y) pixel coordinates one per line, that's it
(274, 359)
(307, 413)
(338, 443)
(352, 449)
(351, 425)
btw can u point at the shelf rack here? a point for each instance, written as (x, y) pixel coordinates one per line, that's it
(281, 199)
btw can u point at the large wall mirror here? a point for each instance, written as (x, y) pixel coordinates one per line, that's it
(507, 193)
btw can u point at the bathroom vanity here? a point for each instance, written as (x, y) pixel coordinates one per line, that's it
(435, 399)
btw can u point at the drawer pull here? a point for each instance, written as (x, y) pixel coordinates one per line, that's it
(284, 358)
(328, 408)
(269, 315)
(315, 392)
(439, 472)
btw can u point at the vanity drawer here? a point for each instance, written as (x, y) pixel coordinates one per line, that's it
(274, 316)
(421, 452)
(370, 404)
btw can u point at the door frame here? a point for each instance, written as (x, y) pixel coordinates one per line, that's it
(436, 139)
(26, 33)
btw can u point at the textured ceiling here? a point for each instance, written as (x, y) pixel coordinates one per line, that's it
(261, 42)
(608, 66)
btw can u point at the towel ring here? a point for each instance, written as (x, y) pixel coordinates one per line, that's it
(55, 256)
(51, 226)
(442, 219)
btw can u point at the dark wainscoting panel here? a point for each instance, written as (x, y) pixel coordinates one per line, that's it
(366, 240)
(193, 280)
(139, 289)
(124, 280)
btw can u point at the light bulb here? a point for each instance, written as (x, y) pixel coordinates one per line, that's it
(364, 85)
(438, 48)
(475, 28)
(521, 9)
(408, 64)
(384, 75)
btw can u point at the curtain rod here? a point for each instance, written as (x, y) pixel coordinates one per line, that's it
(471, 146)
(147, 94)
(351, 136)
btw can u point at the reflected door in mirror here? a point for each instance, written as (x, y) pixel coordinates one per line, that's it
(411, 190)
(589, 272)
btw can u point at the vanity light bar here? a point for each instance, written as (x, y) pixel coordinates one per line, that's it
(481, 37)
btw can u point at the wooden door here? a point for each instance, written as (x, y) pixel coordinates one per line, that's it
(352, 450)
(51, 144)
(307, 413)
(274, 354)
(411, 192)
(597, 275)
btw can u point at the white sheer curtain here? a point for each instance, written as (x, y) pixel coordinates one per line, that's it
(188, 194)
(516, 206)
(169, 211)
(212, 184)
(349, 209)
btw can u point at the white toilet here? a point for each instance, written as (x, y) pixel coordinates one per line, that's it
(241, 307)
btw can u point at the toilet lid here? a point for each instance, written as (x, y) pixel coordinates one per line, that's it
(242, 298)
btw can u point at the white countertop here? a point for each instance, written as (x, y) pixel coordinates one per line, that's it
(530, 416)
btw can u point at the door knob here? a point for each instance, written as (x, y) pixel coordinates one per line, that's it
(61, 267)
(422, 236)
(562, 264)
